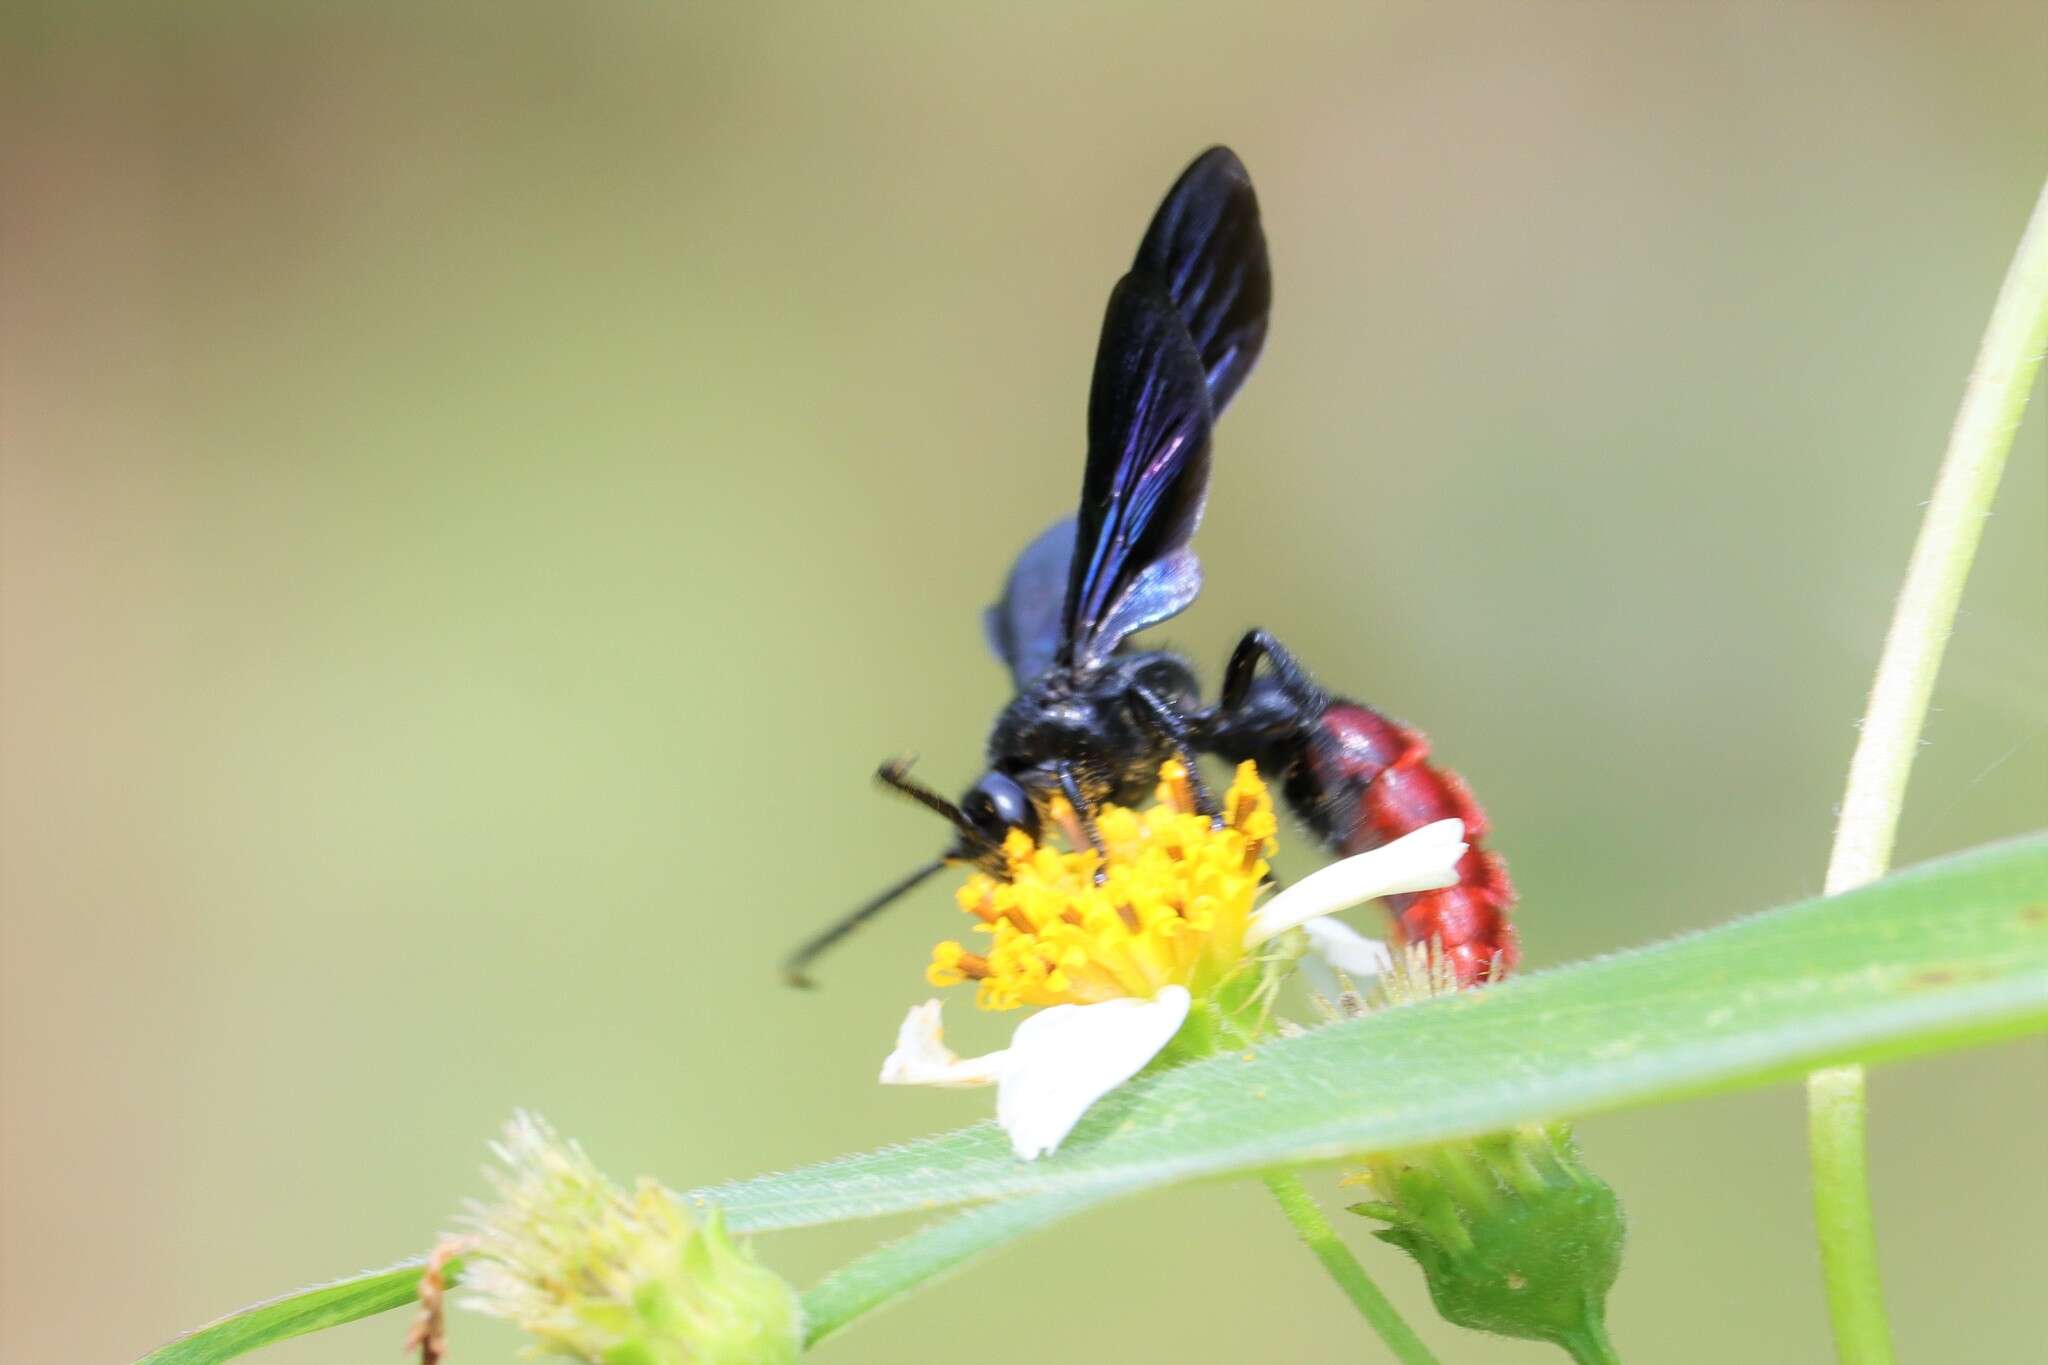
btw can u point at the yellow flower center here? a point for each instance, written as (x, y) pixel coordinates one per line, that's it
(1171, 910)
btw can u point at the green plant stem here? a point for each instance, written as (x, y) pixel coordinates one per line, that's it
(1300, 1207)
(1842, 1218)
(1993, 402)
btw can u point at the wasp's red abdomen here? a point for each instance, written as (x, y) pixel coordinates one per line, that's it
(1372, 782)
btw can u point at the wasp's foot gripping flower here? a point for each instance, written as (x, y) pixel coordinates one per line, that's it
(1171, 940)
(613, 1278)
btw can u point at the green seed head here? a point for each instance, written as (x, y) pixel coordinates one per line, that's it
(1514, 1235)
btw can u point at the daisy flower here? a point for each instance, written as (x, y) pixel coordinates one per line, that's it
(1169, 949)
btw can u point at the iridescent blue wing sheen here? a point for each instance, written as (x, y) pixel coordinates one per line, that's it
(1024, 628)
(1146, 478)
(1206, 251)
(1206, 246)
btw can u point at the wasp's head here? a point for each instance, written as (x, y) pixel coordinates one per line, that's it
(997, 804)
(992, 807)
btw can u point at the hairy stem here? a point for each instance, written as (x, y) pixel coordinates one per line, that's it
(1993, 402)
(1300, 1207)
(1842, 1219)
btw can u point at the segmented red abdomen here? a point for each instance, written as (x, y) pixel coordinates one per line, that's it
(1377, 784)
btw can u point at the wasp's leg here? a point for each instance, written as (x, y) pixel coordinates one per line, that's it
(1287, 671)
(1084, 815)
(1278, 718)
(1270, 717)
(1180, 735)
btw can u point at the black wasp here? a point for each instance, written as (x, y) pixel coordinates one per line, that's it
(1092, 721)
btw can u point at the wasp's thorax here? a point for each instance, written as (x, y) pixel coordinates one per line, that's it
(1088, 729)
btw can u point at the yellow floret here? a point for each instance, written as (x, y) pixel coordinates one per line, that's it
(1172, 908)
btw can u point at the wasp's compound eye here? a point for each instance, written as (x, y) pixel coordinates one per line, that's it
(998, 804)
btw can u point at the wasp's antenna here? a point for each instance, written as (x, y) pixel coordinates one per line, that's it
(974, 843)
(895, 775)
(793, 967)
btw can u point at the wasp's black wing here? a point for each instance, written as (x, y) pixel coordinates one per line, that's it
(1206, 252)
(1146, 478)
(1206, 246)
(1024, 628)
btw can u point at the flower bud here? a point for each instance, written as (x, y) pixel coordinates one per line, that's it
(1514, 1235)
(612, 1278)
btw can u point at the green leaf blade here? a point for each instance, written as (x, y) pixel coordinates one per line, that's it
(895, 1268)
(1948, 954)
(295, 1314)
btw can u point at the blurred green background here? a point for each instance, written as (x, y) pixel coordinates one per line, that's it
(484, 484)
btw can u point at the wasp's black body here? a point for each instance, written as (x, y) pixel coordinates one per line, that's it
(1101, 730)
(1093, 721)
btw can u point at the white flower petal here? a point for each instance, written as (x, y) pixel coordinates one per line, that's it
(1063, 1059)
(1421, 861)
(1349, 951)
(921, 1058)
